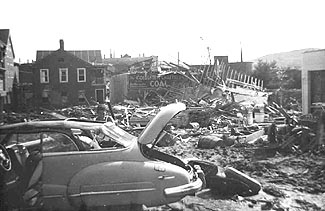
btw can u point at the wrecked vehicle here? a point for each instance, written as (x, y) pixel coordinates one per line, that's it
(54, 165)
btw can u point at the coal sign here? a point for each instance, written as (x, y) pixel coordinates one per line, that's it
(153, 81)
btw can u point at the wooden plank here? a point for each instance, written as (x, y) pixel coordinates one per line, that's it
(254, 136)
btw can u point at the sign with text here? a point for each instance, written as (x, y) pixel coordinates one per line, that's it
(153, 81)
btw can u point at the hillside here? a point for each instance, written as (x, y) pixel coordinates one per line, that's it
(286, 59)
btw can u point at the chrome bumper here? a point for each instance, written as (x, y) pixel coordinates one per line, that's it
(184, 190)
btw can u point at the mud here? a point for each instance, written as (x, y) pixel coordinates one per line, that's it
(289, 181)
(292, 181)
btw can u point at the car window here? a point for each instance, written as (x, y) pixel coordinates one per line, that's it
(109, 133)
(105, 141)
(19, 138)
(57, 142)
(52, 141)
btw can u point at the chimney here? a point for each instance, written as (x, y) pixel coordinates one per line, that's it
(61, 45)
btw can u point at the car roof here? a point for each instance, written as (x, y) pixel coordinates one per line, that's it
(56, 123)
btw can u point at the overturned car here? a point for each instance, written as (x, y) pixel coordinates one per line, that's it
(72, 164)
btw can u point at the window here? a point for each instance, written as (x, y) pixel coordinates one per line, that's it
(99, 94)
(2, 83)
(18, 138)
(97, 77)
(44, 75)
(51, 141)
(63, 75)
(81, 74)
(57, 142)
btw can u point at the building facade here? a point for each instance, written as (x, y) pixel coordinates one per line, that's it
(313, 80)
(62, 78)
(7, 64)
(2, 70)
(8, 70)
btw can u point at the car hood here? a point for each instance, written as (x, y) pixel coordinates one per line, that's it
(155, 126)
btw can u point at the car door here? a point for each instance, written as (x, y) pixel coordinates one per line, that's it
(59, 154)
(22, 146)
(67, 171)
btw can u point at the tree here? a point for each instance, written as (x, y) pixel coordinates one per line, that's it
(292, 79)
(275, 77)
(266, 72)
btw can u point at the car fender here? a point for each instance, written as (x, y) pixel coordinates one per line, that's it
(125, 182)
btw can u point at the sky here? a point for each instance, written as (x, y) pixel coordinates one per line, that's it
(190, 30)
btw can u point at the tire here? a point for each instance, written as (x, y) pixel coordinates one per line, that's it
(253, 184)
(224, 186)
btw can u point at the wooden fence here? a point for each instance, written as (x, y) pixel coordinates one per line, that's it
(221, 74)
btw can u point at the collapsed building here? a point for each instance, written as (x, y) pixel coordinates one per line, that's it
(187, 83)
(144, 86)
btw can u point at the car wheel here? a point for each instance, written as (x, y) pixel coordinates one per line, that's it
(254, 185)
(5, 160)
(227, 186)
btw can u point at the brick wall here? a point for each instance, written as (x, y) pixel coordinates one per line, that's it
(66, 93)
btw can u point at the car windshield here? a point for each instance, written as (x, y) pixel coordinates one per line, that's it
(110, 131)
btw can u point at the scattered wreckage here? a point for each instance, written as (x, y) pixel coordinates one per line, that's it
(73, 163)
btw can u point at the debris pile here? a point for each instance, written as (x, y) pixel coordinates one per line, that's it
(279, 147)
(13, 117)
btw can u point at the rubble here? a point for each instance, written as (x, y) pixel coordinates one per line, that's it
(210, 142)
(284, 151)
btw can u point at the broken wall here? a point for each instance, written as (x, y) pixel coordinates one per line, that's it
(144, 85)
(118, 88)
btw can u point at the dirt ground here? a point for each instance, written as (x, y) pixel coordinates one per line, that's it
(294, 181)
(289, 182)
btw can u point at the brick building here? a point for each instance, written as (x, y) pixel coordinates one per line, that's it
(64, 78)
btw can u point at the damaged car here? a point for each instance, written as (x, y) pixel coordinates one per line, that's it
(74, 164)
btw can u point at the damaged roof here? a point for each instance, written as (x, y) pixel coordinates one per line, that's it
(126, 61)
(90, 56)
(5, 38)
(4, 35)
(123, 64)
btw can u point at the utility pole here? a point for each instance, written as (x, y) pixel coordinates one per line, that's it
(209, 54)
(178, 58)
(241, 53)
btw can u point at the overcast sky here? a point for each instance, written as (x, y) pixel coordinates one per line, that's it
(165, 27)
